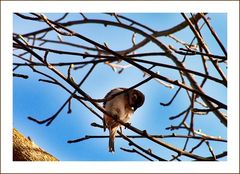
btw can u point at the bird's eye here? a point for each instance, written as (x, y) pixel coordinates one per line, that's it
(135, 97)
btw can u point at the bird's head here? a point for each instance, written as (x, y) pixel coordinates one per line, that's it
(136, 99)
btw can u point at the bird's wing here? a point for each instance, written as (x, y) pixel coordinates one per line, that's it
(112, 92)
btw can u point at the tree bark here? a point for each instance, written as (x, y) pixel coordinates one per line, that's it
(24, 149)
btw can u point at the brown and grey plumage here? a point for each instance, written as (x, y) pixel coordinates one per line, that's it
(120, 107)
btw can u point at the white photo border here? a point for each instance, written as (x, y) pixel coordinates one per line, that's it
(7, 10)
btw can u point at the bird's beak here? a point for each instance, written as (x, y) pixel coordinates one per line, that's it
(134, 108)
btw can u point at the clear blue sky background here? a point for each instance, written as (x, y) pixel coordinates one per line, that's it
(41, 100)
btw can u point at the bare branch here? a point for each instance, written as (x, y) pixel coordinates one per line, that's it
(20, 75)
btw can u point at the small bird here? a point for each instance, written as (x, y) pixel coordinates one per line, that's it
(121, 107)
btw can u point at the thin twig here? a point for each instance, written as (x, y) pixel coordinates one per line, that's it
(20, 75)
(87, 137)
(211, 150)
(136, 151)
(214, 34)
(131, 143)
(174, 96)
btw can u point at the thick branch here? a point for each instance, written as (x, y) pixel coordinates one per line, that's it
(24, 149)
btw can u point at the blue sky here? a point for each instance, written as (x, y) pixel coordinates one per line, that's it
(41, 100)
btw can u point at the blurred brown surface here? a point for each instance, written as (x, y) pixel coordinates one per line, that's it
(24, 149)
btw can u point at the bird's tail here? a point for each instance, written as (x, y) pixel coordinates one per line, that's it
(112, 135)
